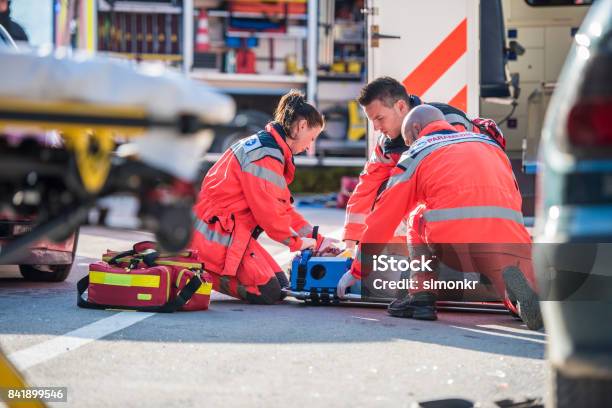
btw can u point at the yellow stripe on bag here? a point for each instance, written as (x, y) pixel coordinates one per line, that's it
(179, 263)
(118, 279)
(158, 262)
(204, 289)
(144, 296)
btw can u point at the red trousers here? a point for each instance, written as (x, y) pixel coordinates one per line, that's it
(258, 278)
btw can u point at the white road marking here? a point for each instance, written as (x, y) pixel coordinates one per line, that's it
(365, 318)
(512, 329)
(512, 336)
(57, 346)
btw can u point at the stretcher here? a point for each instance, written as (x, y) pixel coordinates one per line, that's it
(314, 279)
(164, 120)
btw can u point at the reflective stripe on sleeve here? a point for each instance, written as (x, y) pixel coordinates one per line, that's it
(454, 118)
(245, 158)
(401, 230)
(266, 174)
(305, 230)
(355, 218)
(287, 240)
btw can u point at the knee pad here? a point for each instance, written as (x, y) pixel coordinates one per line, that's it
(270, 293)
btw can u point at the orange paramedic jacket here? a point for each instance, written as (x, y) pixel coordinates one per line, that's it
(245, 190)
(377, 171)
(466, 183)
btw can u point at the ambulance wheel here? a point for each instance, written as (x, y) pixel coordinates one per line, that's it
(50, 273)
(45, 273)
(587, 392)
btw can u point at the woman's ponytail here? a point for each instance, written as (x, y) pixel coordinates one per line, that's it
(293, 107)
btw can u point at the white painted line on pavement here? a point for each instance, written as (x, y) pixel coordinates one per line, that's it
(512, 329)
(365, 318)
(511, 336)
(49, 349)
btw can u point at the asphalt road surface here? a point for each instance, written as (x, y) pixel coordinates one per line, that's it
(237, 354)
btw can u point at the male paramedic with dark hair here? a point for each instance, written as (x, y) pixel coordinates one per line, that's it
(246, 192)
(386, 103)
(466, 184)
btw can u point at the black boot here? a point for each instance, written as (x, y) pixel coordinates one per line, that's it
(420, 306)
(284, 283)
(528, 303)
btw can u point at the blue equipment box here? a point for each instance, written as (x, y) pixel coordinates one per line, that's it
(314, 277)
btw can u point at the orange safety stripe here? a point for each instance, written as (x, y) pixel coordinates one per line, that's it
(438, 61)
(459, 101)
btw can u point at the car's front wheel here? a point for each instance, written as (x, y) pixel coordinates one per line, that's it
(45, 273)
(584, 392)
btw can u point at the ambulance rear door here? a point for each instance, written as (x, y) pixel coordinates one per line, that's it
(432, 47)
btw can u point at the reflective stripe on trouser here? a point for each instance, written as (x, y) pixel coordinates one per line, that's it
(473, 212)
(487, 259)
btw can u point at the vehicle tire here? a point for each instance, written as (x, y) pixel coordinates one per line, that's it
(58, 273)
(580, 392)
(174, 228)
(52, 273)
(251, 121)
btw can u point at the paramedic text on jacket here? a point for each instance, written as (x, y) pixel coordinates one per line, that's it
(247, 192)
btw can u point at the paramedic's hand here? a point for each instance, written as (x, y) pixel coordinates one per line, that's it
(350, 244)
(345, 282)
(350, 247)
(308, 243)
(329, 245)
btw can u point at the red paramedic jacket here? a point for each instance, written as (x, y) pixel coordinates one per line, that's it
(466, 184)
(247, 189)
(377, 171)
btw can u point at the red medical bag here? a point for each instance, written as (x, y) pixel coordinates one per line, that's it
(147, 280)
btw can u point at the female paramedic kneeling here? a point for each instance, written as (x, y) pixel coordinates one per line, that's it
(246, 193)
